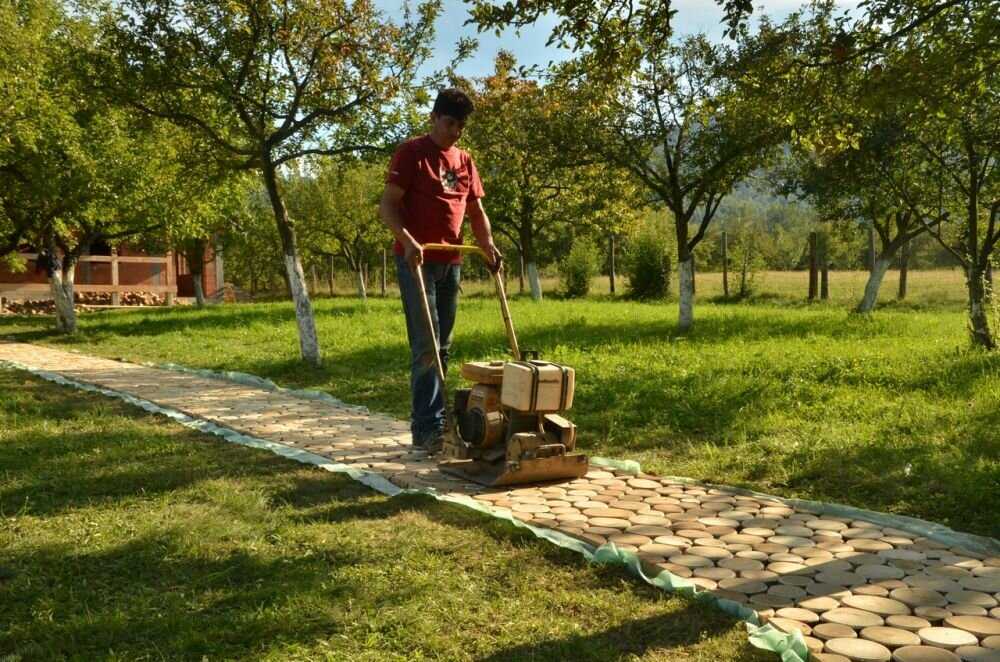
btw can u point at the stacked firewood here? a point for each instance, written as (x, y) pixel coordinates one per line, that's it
(85, 301)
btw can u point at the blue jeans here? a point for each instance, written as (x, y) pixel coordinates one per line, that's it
(441, 281)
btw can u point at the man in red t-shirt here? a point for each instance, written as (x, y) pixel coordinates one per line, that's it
(430, 188)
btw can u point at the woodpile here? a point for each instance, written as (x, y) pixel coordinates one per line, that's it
(85, 301)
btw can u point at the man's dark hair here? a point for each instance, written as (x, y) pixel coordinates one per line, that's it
(454, 103)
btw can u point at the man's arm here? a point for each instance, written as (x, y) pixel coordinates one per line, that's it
(484, 234)
(390, 208)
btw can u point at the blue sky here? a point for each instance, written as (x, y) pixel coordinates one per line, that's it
(530, 49)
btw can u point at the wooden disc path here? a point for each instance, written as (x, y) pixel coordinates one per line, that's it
(853, 589)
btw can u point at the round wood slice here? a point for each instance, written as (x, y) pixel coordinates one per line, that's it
(799, 614)
(891, 637)
(643, 483)
(854, 618)
(923, 654)
(740, 564)
(826, 525)
(932, 614)
(911, 623)
(610, 522)
(741, 585)
(715, 574)
(713, 553)
(828, 657)
(833, 631)
(973, 598)
(689, 561)
(859, 650)
(789, 625)
(840, 578)
(819, 604)
(918, 597)
(649, 531)
(945, 637)
(964, 609)
(650, 520)
(939, 584)
(981, 626)
(876, 572)
(871, 589)
(876, 605)
(977, 654)
(992, 642)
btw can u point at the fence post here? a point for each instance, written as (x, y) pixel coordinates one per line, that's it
(116, 299)
(813, 267)
(611, 261)
(384, 260)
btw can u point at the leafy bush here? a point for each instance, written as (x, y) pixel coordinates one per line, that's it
(578, 268)
(647, 264)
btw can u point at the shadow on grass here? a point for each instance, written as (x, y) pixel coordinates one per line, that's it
(234, 561)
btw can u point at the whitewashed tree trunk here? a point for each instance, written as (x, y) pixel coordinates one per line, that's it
(874, 283)
(294, 275)
(362, 290)
(61, 285)
(308, 342)
(686, 285)
(534, 282)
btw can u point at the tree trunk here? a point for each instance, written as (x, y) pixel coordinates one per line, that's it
(979, 323)
(882, 264)
(725, 264)
(194, 253)
(61, 286)
(813, 268)
(824, 268)
(686, 286)
(520, 273)
(989, 281)
(329, 273)
(384, 260)
(362, 290)
(308, 340)
(315, 280)
(611, 262)
(199, 290)
(870, 257)
(528, 253)
(744, 270)
(904, 264)
(693, 271)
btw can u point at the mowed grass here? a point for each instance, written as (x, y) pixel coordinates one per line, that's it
(127, 537)
(892, 412)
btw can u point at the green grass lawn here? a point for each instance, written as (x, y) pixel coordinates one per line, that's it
(891, 412)
(127, 537)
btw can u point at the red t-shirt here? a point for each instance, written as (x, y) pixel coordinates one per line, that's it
(439, 183)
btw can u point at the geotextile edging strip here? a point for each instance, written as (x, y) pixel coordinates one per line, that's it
(790, 647)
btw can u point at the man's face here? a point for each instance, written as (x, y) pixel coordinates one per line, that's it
(446, 130)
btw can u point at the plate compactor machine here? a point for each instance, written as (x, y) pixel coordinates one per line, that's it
(508, 427)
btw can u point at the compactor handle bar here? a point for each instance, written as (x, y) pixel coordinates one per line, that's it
(498, 282)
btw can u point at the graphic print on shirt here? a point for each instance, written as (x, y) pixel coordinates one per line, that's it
(449, 178)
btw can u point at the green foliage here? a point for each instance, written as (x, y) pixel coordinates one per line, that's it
(647, 262)
(579, 267)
